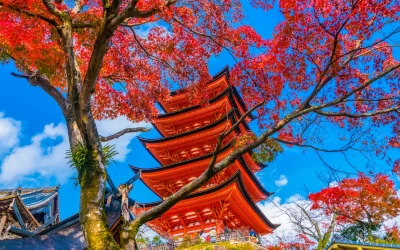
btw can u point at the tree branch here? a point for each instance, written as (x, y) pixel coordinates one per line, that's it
(28, 13)
(247, 113)
(211, 170)
(44, 84)
(122, 132)
(52, 9)
(362, 115)
(311, 146)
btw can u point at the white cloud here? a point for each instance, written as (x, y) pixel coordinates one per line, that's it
(109, 127)
(9, 131)
(295, 198)
(276, 211)
(333, 184)
(40, 161)
(273, 211)
(282, 181)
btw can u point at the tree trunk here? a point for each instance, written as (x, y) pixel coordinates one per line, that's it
(92, 179)
(92, 215)
(128, 234)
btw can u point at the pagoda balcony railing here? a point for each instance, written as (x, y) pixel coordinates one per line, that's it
(190, 153)
(234, 236)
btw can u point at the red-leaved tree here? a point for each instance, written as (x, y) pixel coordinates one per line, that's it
(367, 200)
(329, 62)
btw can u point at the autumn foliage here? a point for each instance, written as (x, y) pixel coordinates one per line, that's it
(372, 200)
(146, 62)
(329, 65)
(302, 243)
(331, 45)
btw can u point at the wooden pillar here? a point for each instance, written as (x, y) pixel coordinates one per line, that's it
(2, 222)
(219, 226)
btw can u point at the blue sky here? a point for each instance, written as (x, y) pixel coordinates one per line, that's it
(33, 141)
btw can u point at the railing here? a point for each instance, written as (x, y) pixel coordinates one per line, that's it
(234, 236)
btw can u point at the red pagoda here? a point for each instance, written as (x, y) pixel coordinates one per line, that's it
(189, 138)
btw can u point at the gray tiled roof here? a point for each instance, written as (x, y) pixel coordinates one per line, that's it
(66, 234)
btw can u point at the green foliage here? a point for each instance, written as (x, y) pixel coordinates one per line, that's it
(187, 242)
(108, 154)
(267, 151)
(80, 157)
(156, 240)
(360, 232)
(77, 158)
(143, 240)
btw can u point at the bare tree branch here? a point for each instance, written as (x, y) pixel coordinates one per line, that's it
(122, 132)
(44, 84)
(312, 147)
(362, 115)
(247, 113)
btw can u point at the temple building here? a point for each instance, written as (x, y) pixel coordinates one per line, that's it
(189, 137)
(24, 212)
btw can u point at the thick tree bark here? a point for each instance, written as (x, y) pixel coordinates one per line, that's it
(92, 179)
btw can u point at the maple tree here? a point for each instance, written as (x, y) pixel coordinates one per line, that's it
(366, 200)
(392, 235)
(329, 62)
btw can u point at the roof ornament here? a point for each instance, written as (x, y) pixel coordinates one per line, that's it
(123, 193)
(18, 191)
(124, 190)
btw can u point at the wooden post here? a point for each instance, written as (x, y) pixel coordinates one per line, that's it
(18, 215)
(3, 222)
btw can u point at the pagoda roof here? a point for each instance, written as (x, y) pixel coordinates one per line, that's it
(33, 198)
(232, 192)
(204, 134)
(222, 76)
(229, 115)
(9, 201)
(223, 72)
(191, 113)
(67, 234)
(177, 171)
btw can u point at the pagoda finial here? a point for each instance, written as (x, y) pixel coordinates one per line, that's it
(18, 191)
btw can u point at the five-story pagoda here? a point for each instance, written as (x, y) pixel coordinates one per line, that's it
(189, 138)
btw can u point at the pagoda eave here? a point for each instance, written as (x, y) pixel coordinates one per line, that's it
(170, 124)
(232, 192)
(153, 177)
(201, 141)
(234, 98)
(230, 116)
